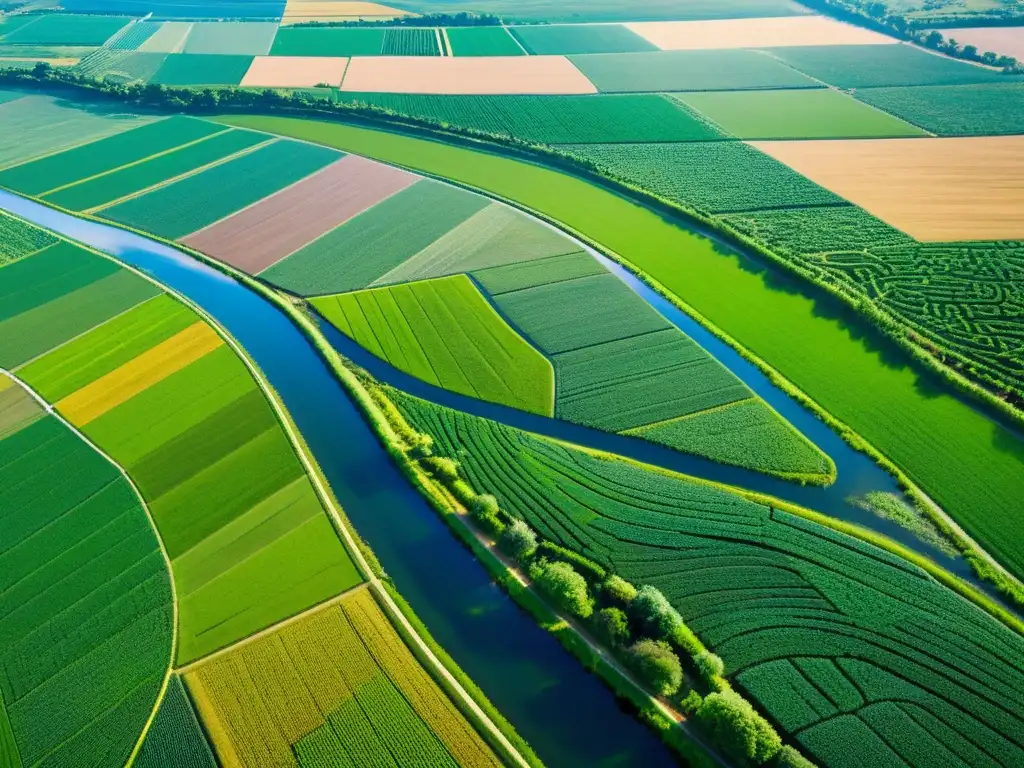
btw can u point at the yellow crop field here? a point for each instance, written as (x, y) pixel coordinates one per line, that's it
(755, 33)
(936, 190)
(490, 75)
(138, 375)
(294, 71)
(299, 11)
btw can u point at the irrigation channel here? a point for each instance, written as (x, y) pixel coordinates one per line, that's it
(520, 667)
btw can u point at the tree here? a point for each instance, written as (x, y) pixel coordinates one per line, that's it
(445, 470)
(709, 665)
(657, 665)
(788, 757)
(566, 588)
(612, 627)
(737, 728)
(654, 613)
(518, 540)
(618, 590)
(484, 505)
(420, 445)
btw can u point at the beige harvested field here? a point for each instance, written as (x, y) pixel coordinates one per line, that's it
(755, 33)
(932, 189)
(299, 11)
(294, 71)
(262, 234)
(1008, 41)
(486, 75)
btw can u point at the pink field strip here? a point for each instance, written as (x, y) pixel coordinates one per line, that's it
(263, 234)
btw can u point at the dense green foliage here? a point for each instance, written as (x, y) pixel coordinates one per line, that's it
(872, 66)
(482, 41)
(196, 201)
(722, 70)
(954, 110)
(715, 177)
(175, 738)
(444, 332)
(554, 119)
(564, 39)
(85, 602)
(735, 725)
(202, 69)
(566, 588)
(376, 241)
(19, 239)
(767, 590)
(410, 42)
(105, 155)
(657, 665)
(819, 113)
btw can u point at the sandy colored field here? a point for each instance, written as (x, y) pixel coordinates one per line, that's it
(299, 11)
(485, 75)
(138, 375)
(1008, 41)
(294, 71)
(755, 33)
(263, 234)
(933, 189)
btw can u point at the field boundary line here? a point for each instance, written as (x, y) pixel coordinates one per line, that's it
(636, 431)
(140, 161)
(160, 543)
(77, 144)
(179, 177)
(516, 40)
(440, 37)
(241, 642)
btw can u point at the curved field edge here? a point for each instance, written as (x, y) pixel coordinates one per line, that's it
(161, 692)
(436, 158)
(469, 699)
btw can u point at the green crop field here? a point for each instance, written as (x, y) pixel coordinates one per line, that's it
(871, 66)
(410, 42)
(121, 66)
(133, 36)
(176, 737)
(973, 477)
(563, 39)
(715, 177)
(353, 692)
(482, 41)
(376, 241)
(67, 29)
(444, 332)
(329, 41)
(245, 38)
(516, 277)
(729, 70)
(85, 602)
(771, 593)
(556, 119)
(86, 161)
(202, 69)
(796, 114)
(618, 10)
(18, 239)
(197, 201)
(954, 110)
(105, 189)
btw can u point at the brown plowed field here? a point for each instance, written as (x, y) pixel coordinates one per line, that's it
(263, 234)
(294, 71)
(755, 33)
(935, 190)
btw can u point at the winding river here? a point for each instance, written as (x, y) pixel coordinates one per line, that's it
(520, 667)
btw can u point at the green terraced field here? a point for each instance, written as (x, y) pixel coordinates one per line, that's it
(444, 332)
(176, 737)
(202, 69)
(243, 38)
(85, 602)
(67, 29)
(728, 70)
(59, 170)
(556, 119)
(329, 41)
(713, 177)
(954, 110)
(376, 241)
(131, 37)
(106, 189)
(796, 114)
(410, 42)
(563, 39)
(194, 202)
(871, 66)
(482, 41)
(771, 593)
(19, 239)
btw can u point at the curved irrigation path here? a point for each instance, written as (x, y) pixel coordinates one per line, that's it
(521, 668)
